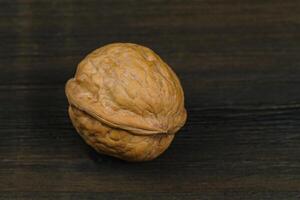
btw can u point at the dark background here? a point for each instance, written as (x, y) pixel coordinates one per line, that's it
(239, 64)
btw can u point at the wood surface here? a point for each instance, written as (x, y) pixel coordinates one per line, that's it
(239, 64)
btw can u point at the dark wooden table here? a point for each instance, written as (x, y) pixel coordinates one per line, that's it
(239, 64)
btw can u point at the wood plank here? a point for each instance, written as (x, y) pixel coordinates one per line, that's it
(238, 62)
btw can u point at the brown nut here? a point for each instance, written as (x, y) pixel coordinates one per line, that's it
(126, 102)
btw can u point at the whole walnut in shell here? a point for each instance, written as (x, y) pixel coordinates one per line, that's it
(126, 102)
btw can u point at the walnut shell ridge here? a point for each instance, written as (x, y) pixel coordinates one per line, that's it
(126, 102)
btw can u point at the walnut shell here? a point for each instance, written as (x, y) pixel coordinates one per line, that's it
(126, 102)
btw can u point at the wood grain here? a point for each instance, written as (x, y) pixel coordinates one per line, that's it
(239, 64)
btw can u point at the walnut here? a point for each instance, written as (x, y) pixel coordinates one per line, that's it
(126, 102)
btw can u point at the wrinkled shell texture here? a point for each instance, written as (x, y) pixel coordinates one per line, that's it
(118, 142)
(126, 102)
